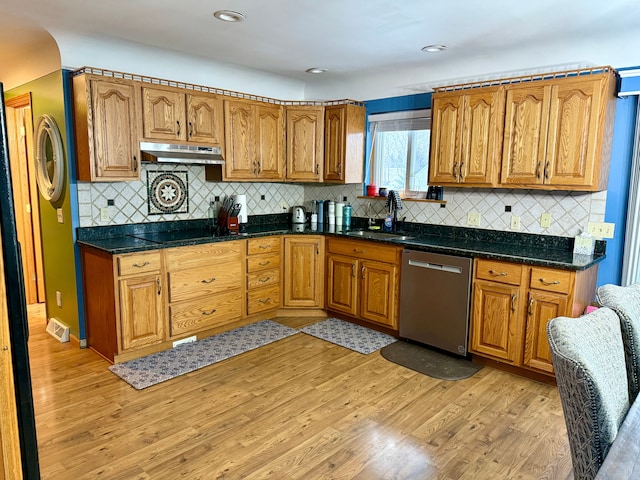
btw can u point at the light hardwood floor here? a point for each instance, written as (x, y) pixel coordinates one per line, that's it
(299, 408)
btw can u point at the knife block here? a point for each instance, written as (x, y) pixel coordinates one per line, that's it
(232, 225)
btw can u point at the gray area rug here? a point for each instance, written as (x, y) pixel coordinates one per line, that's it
(429, 362)
(159, 367)
(349, 335)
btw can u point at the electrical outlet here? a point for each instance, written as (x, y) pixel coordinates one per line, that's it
(545, 220)
(58, 298)
(473, 219)
(104, 214)
(515, 222)
(601, 229)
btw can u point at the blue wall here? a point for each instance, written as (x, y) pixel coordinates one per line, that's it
(610, 270)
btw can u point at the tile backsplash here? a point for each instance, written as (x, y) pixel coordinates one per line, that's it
(570, 211)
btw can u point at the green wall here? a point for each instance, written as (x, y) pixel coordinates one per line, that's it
(47, 96)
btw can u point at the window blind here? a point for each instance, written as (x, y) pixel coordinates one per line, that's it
(400, 121)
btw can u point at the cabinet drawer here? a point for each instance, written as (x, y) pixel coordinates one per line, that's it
(180, 258)
(501, 272)
(264, 245)
(551, 280)
(262, 299)
(196, 282)
(263, 278)
(203, 313)
(257, 263)
(139, 263)
(364, 249)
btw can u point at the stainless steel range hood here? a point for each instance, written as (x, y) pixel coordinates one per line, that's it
(185, 154)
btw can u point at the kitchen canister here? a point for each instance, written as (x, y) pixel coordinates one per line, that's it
(346, 216)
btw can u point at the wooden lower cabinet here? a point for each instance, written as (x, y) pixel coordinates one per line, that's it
(263, 274)
(512, 304)
(303, 271)
(205, 287)
(141, 311)
(363, 280)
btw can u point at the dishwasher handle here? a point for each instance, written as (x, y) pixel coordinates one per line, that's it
(435, 266)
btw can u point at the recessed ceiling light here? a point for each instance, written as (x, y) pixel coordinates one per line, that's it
(229, 16)
(434, 48)
(316, 70)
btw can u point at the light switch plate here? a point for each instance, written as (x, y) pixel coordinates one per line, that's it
(601, 229)
(473, 219)
(104, 214)
(60, 215)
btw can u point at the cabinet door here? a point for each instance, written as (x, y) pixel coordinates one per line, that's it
(378, 292)
(163, 114)
(305, 148)
(482, 131)
(205, 120)
(341, 284)
(141, 319)
(573, 130)
(494, 320)
(446, 124)
(115, 142)
(303, 278)
(525, 135)
(240, 161)
(334, 142)
(542, 307)
(269, 146)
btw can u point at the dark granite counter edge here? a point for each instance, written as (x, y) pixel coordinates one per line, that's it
(130, 244)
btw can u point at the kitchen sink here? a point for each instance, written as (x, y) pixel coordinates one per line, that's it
(378, 235)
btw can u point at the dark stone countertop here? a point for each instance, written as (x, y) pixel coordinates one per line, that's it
(540, 250)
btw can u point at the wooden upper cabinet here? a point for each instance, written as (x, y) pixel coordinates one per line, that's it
(466, 137)
(558, 133)
(254, 141)
(269, 142)
(344, 143)
(171, 115)
(106, 129)
(305, 143)
(446, 121)
(525, 134)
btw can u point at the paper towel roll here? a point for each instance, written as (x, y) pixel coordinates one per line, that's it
(242, 200)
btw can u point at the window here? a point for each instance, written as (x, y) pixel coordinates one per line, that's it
(400, 156)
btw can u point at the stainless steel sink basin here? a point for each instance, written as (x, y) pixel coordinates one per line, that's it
(378, 235)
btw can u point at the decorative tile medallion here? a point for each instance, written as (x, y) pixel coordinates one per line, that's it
(168, 192)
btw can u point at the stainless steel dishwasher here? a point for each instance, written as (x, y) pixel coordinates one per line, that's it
(435, 291)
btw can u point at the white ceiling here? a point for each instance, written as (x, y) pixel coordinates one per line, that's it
(351, 38)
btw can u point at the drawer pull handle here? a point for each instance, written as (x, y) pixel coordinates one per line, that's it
(538, 169)
(546, 171)
(513, 302)
(264, 280)
(355, 250)
(531, 306)
(179, 129)
(353, 270)
(211, 280)
(159, 286)
(545, 282)
(264, 247)
(362, 271)
(209, 312)
(140, 265)
(264, 300)
(496, 274)
(264, 264)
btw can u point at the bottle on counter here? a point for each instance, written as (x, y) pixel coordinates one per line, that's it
(332, 213)
(346, 216)
(339, 213)
(320, 212)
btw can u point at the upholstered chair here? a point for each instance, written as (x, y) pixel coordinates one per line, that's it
(588, 357)
(625, 301)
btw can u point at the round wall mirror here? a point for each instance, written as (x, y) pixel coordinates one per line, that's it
(49, 158)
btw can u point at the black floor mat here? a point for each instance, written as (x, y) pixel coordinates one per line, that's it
(430, 362)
